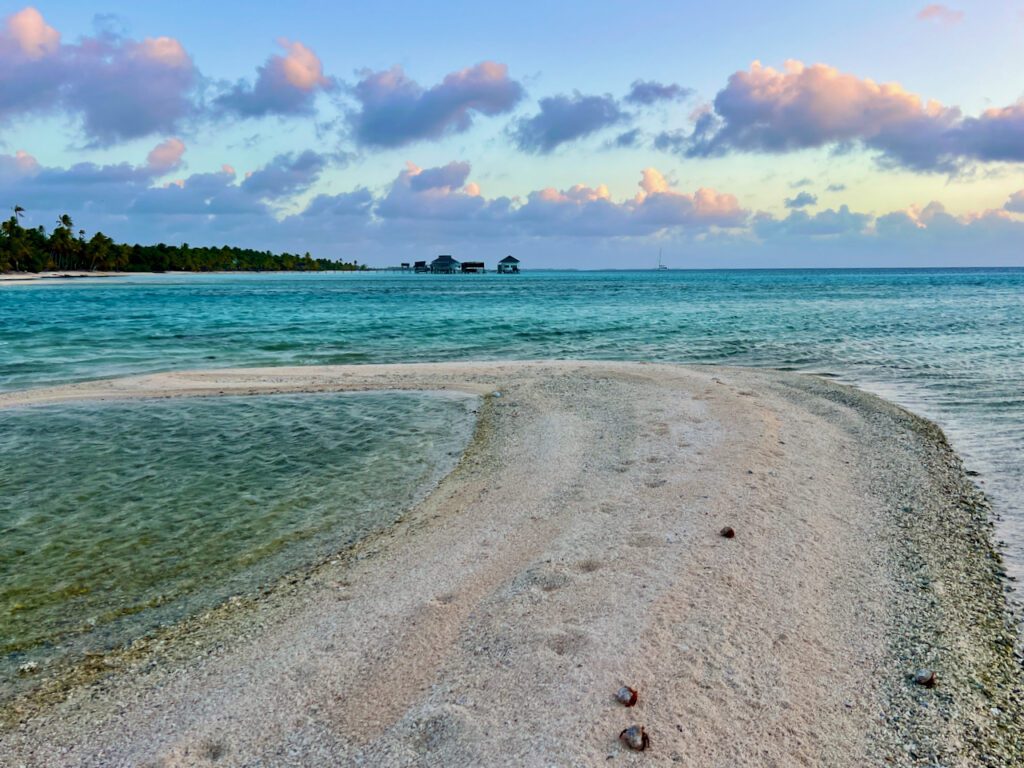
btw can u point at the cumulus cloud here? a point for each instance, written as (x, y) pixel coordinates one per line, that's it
(564, 119)
(18, 165)
(120, 88)
(395, 110)
(827, 223)
(835, 188)
(444, 194)
(798, 107)
(438, 194)
(451, 176)
(648, 92)
(357, 203)
(201, 194)
(941, 13)
(591, 211)
(286, 174)
(166, 156)
(802, 200)
(1016, 202)
(83, 187)
(285, 85)
(27, 30)
(91, 189)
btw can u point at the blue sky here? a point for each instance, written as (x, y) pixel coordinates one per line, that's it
(574, 134)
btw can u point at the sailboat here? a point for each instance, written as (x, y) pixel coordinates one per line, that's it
(660, 265)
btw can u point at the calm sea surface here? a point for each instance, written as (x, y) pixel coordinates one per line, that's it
(948, 344)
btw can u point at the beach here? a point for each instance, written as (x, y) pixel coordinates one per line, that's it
(22, 277)
(575, 549)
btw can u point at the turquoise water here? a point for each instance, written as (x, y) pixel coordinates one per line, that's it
(949, 344)
(118, 517)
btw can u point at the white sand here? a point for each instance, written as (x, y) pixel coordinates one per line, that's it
(21, 277)
(573, 550)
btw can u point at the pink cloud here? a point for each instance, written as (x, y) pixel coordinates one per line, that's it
(941, 13)
(769, 110)
(301, 67)
(584, 210)
(285, 85)
(29, 31)
(166, 156)
(119, 88)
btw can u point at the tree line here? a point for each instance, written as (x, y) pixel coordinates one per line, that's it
(32, 249)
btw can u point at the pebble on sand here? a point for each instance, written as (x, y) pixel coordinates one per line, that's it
(727, 532)
(925, 677)
(626, 696)
(635, 737)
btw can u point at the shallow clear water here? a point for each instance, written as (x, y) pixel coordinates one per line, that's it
(949, 344)
(117, 517)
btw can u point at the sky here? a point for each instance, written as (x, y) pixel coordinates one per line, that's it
(576, 134)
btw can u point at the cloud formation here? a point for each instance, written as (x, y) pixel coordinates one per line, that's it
(1016, 202)
(83, 187)
(439, 194)
(395, 110)
(119, 88)
(941, 13)
(802, 200)
(563, 119)
(800, 107)
(827, 223)
(285, 85)
(166, 156)
(442, 207)
(648, 92)
(285, 175)
(583, 211)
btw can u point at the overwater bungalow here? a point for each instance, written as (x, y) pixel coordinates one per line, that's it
(420, 266)
(508, 266)
(473, 268)
(444, 265)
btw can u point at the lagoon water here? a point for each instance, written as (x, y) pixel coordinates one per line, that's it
(948, 344)
(118, 517)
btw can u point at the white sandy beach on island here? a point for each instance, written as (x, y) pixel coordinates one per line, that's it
(22, 277)
(575, 549)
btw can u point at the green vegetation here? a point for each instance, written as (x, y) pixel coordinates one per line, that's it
(33, 250)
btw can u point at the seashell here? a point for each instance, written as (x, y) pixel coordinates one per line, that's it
(727, 532)
(925, 677)
(635, 737)
(626, 696)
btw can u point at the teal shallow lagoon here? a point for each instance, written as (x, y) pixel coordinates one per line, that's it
(947, 343)
(118, 517)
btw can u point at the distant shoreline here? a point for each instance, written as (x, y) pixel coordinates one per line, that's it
(23, 277)
(574, 549)
(77, 274)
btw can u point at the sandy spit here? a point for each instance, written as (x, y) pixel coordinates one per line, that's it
(576, 549)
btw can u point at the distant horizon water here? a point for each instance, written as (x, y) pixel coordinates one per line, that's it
(945, 343)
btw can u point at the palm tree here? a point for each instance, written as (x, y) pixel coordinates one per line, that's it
(18, 211)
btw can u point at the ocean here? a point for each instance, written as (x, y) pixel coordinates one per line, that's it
(946, 343)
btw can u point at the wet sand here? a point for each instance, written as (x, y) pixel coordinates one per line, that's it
(575, 549)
